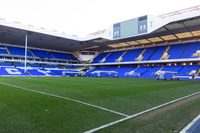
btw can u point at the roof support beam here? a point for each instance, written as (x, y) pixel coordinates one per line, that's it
(172, 33)
(187, 28)
(25, 56)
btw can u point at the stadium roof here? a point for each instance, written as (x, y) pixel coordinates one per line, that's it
(178, 30)
(39, 38)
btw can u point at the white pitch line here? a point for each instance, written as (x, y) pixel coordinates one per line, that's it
(190, 124)
(66, 98)
(140, 113)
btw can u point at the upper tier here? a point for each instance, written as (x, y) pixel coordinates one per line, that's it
(41, 54)
(180, 51)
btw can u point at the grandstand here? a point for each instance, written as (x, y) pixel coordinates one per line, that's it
(165, 47)
(173, 42)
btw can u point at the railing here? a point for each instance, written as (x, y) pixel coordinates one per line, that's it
(195, 8)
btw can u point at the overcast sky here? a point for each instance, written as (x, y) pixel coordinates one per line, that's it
(81, 17)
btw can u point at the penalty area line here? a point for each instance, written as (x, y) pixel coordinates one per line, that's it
(66, 98)
(140, 113)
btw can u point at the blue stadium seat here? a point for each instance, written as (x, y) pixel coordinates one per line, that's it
(5, 64)
(191, 48)
(59, 55)
(41, 54)
(148, 53)
(57, 72)
(171, 69)
(176, 51)
(150, 72)
(153, 53)
(187, 72)
(103, 74)
(141, 70)
(99, 57)
(18, 51)
(131, 55)
(114, 56)
(3, 50)
(123, 70)
(158, 53)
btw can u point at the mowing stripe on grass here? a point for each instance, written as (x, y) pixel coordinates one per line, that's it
(140, 113)
(66, 98)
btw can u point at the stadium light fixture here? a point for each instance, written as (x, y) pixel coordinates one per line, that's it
(118, 45)
(143, 41)
(168, 37)
(196, 33)
(155, 39)
(184, 35)
(132, 43)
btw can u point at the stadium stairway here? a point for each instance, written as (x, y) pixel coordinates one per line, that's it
(132, 73)
(123, 70)
(165, 55)
(121, 57)
(53, 57)
(158, 53)
(187, 72)
(191, 50)
(149, 53)
(176, 69)
(8, 51)
(29, 73)
(98, 58)
(197, 54)
(150, 73)
(197, 74)
(174, 49)
(104, 59)
(140, 57)
(143, 69)
(131, 55)
(114, 56)
(161, 68)
(32, 53)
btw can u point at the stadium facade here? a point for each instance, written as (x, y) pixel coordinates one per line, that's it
(161, 47)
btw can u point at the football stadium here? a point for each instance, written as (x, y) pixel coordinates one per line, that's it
(140, 75)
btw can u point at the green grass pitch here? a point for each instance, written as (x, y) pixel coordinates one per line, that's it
(23, 111)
